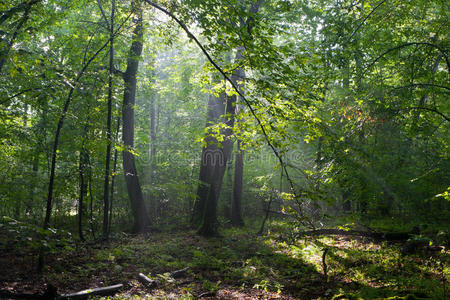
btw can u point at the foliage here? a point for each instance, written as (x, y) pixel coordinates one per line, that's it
(351, 96)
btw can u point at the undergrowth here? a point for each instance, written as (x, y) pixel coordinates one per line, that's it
(238, 263)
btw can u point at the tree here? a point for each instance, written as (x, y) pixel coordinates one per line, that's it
(106, 190)
(138, 207)
(236, 207)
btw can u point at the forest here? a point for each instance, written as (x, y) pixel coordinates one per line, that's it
(224, 149)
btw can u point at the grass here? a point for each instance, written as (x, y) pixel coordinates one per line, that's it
(238, 264)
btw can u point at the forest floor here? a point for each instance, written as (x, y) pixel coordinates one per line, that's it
(236, 265)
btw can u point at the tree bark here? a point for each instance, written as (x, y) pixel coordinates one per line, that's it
(138, 207)
(207, 205)
(82, 167)
(152, 131)
(208, 226)
(108, 123)
(113, 177)
(236, 207)
(210, 154)
(261, 229)
(229, 201)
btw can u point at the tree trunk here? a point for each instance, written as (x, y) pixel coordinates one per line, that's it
(152, 172)
(152, 132)
(141, 220)
(208, 226)
(49, 205)
(210, 154)
(113, 177)
(229, 200)
(236, 207)
(35, 166)
(207, 205)
(108, 123)
(82, 167)
(236, 214)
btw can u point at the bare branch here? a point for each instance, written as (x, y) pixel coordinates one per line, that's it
(431, 110)
(103, 14)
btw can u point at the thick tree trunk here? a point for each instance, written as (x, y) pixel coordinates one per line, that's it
(209, 212)
(208, 225)
(210, 154)
(138, 207)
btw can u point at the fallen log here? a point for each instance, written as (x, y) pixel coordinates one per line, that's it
(375, 235)
(179, 273)
(382, 236)
(150, 283)
(85, 294)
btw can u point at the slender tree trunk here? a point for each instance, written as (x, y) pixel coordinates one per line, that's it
(152, 171)
(229, 201)
(83, 182)
(91, 198)
(108, 123)
(48, 210)
(236, 208)
(35, 168)
(113, 177)
(261, 229)
(138, 207)
(152, 131)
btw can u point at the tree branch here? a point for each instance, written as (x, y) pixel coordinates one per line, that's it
(431, 110)
(21, 6)
(444, 53)
(4, 53)
(364, 20)
(420, 85)
(103, 14)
